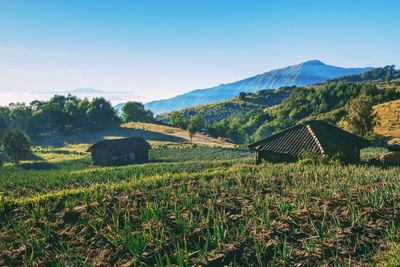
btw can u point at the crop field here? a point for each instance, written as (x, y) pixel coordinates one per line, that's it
(198, 206)
(70, 167)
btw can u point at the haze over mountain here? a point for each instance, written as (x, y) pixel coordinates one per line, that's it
(309, 72)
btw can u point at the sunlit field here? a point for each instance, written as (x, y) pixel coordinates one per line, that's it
(197, 206)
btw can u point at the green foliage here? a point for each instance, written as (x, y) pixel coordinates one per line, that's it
(100, 113)
(3, 157)
(16, 115)
(235, 119)
(60, 114)
(57, 114)
(360, 118)
(326, 102)
(135, 111)
(178, 120)
(263, 131)
(16, 144)
(251, 117)
(386, 74)
(4, 120)
(195, 124)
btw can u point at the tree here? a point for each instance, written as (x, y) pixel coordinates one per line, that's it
(178, 121)
(242, 96)
(195, 125)
(16, 145)
(360, 118)
(20, 115)
(135, 111)
(390, 72)
(4, 119)
(263, 131)
(100, 113)
(82, 116)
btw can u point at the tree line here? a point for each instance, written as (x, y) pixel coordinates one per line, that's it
(68, 114)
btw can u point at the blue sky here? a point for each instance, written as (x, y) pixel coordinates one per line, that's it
(157, 49)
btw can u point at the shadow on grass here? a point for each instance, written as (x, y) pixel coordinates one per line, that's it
(379, 164)
(40, 165)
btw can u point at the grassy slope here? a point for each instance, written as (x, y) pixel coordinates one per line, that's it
(203, 212)
(389, 119)
(182, 136)
(156, 134)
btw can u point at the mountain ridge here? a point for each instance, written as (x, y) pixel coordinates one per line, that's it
(309, 72)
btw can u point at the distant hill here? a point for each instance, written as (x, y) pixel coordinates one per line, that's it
(86, 91)
(306, 73)
(383, 74)
(247, 102)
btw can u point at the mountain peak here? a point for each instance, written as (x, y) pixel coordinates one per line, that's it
(313, 62)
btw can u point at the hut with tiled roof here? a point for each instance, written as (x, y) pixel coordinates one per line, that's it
(315, 137)
(120, 151)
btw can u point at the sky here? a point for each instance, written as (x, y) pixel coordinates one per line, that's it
(152, 49)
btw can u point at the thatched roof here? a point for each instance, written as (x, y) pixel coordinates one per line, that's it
(316, 137)
(122, 146)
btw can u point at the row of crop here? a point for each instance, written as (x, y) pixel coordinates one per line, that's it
(25, 183)
(244, 215)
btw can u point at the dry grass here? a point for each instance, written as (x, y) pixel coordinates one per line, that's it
(169, 130)
(155, 134)
(60, 154)
(389, 119)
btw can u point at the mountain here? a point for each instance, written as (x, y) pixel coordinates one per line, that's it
(306, 73)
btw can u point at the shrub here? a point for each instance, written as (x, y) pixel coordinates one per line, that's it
(16, 144)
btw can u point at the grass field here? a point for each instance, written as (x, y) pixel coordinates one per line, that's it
(197, 206)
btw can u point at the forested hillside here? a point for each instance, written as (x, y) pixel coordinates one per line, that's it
(245, 123)
(384, 74)
(241, 104)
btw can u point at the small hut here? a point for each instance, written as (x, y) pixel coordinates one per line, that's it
(120, 151)
(315, 137)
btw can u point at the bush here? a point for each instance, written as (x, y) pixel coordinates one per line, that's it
(17, 145)
(307, 158)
